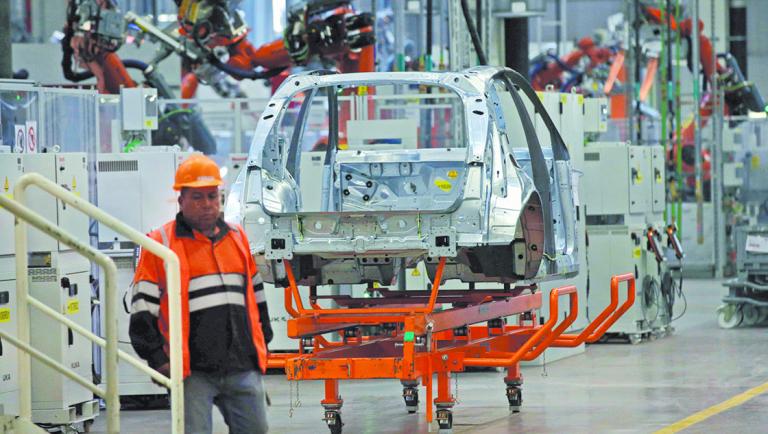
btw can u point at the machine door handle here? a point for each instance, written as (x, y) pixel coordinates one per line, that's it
(70, 337)
(125, 303)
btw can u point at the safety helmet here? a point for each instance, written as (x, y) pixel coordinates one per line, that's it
(197, 171)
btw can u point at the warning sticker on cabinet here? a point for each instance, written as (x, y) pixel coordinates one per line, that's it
(757, 244)
(5, 314)
(73, 307)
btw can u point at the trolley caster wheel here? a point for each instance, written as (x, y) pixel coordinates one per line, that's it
(333, 420)
(444, 419)
(763, 315)
(729, 316)
(751, 314)
(411, 398)
(635, 339)
(515, 398)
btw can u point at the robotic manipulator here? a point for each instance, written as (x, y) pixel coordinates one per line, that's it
(210, 38)
(592, 60)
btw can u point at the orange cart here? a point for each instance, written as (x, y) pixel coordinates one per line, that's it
(414, 340)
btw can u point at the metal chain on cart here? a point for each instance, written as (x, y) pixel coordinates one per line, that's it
(290, 399)
(456, 386)
(291, 403)
(544, 364)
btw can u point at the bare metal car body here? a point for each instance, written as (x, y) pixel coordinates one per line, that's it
(496, 201)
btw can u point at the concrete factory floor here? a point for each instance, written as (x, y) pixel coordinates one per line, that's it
(612, 388)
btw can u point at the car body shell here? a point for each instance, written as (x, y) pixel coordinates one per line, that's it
(511, 215)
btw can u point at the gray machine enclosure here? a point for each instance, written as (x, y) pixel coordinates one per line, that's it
(513, 217)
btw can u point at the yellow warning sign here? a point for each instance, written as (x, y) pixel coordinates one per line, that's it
(73, 307)
(755, 161)
(443, 185)
(6, 185)
(563, 99)
(581, 99)
(637, 252)
(415, 272)
(5, 314)
(74, 183)
(9, 196)
(453, 174)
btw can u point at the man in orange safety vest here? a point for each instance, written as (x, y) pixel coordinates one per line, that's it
(225, 321)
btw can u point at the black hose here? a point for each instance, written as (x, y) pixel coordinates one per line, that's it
(429, 30)
(235, 72)
(240, 74)
(479, 18)
(473, 33)
(135, 64)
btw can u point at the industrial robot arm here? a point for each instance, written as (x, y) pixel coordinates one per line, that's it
(94, 31)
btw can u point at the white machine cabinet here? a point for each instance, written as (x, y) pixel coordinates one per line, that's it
(70, 171)
(596, 112)
(629, 190)
(9, 364)
(626, 197)
(11, 168)
(59, 277)
(61, 281)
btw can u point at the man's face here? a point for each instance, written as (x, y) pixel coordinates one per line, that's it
(200, 207)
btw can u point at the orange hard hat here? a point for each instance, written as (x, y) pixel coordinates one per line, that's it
(197, 171)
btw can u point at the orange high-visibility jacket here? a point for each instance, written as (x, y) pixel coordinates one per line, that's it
(212, 271)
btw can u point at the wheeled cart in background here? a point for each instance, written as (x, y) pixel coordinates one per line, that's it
(747, 299)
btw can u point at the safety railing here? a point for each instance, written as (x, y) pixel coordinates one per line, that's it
(25, 215)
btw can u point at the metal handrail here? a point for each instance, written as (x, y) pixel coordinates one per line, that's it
(173, 282)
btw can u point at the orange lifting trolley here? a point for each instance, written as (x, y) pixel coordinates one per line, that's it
(415, 342)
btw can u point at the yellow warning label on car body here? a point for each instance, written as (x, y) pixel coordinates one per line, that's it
(442, 184)
(453, 174)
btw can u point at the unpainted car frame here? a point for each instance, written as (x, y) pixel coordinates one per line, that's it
(513, 217)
